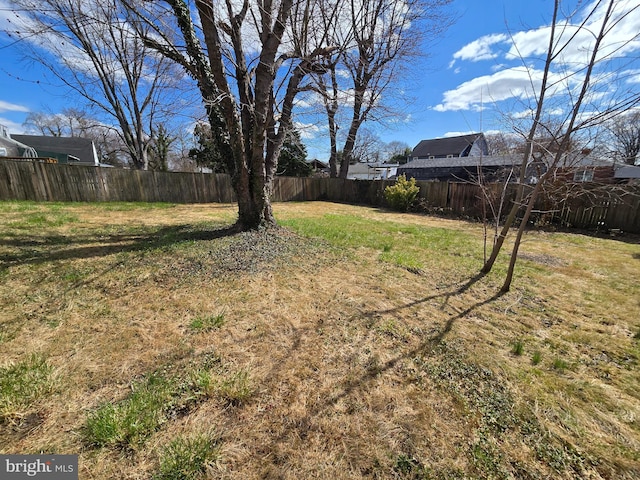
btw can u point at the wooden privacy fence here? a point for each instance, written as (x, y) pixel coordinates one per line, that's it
(76, 183)
(604, 207)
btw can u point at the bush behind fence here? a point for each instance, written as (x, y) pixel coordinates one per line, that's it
(602, 207)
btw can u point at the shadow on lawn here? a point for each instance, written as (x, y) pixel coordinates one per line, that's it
(59, 247)
(352, 385)
(425, 346)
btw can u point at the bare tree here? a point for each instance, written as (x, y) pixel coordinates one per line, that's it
(625, 135)
(603, 14)
(70, 122)
(378, 39)
(503, 143)
(249, 66)
(90, 47)
(74, 122)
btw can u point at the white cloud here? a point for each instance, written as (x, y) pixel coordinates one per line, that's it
(308, 131)
(457, 134)
(528, 113)
(528, 47)
(480, 49)
(502, 85)
(12, 127)
(12, 107)
(631, 76)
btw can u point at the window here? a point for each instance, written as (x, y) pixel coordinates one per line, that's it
(583, 176)
(3, 152)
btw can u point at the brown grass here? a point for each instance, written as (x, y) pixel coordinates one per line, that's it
(357, 367)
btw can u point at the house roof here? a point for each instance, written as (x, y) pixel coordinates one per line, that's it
(441, 147)
(579, 160)
(318, 163)
(81, 148)
(487, 161)
(627, 171)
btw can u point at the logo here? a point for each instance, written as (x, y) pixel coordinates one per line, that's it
(49, 467)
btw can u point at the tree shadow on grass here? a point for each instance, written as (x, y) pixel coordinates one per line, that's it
(425, 346)
(351, 385)
(51, 248)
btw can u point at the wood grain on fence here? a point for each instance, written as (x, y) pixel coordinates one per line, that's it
(605, 207)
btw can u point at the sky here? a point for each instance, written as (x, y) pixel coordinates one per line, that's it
(466, 83)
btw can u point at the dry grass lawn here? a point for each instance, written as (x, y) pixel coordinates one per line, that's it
(349, 344)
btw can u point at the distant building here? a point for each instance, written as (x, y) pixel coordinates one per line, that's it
(69, 150)
(372, 171)
(319, 166)
(469, 168)
(472, 145)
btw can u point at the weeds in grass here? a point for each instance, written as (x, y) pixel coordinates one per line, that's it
(157, 398)
(487, 458)
(483, 393)
(536, 358)
(22, 383)
(517, 348)
(207, 323)
(235, 388)
(560, 365)
(477, 386)
(409, 467)
(186, 458)
(132, 420)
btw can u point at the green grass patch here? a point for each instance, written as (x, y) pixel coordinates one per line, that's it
(153, 400)
(43, 219)
(207, 323)
(160, 396)
(536, 358)
(235, 387)
(408, 246)
(131, 421)
(186, 458)
(22, 384)
(560, 365)
(517, 347)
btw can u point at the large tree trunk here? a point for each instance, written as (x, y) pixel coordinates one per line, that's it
(253, 190)
(248, 117)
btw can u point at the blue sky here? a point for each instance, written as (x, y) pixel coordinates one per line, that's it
(466, 84)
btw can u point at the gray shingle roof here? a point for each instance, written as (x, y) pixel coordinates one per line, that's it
(439, 147)
(487, 161)
(78, 147)
(628, 171)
